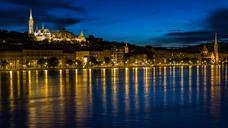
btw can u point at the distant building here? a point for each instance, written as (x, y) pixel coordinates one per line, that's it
(29, 57)
(204, 52)
(46, 34)
(214, 55)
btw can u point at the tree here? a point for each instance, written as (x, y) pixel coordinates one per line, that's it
(3, 63)
(78, 62)
(107, 60)
(53, 62)
(70, 62)
(41, 62)
(93, 60)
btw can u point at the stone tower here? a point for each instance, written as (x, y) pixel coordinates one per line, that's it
(216, 53)
(30, 23)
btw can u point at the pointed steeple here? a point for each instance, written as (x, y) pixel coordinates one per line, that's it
(30, 23)
(30, 14)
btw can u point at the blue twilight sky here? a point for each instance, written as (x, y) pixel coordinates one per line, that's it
(142, 22)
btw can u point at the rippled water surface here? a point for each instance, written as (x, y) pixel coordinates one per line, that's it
(128, 97)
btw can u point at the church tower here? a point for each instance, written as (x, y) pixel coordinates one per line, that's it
(30, 23)
(216, 53)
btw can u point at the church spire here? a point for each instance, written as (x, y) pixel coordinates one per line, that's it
(30, 15)
(30, 23)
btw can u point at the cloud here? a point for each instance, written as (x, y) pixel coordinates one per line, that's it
(183, 38)
(46, 4)
(217, 21)
(19, 17)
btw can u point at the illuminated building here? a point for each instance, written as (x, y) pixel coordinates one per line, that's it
(214, 55)
(204, 51)
(45, 34)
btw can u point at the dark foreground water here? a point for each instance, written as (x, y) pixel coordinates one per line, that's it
(135, 97)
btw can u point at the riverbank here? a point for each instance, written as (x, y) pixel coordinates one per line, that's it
(108, 67)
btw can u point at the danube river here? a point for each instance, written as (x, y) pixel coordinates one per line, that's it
(118, 97)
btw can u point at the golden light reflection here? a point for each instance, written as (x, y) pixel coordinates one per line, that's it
(67, 79)
(18, 83)
(46, 82)
(190, 79)
(190, 82)
(170, 74)
(83, 97)
(218, 71)
(146, 80)
(114, 87)
(37, 77)
(90, 85)
(126, 81)
(61, 82)
(85, 76)
(136, 80)
(76, 79)
(127, 102)
(204, 75)
(11, 104)
(103, 78)
(11, 85)
(24, 76)
(0, 86)
(215, 91)
(226, 76)
(90, 79)
(29, 83)
(165, 86)
(154, 80)
(212, 75)
(165, 80)
(114, 77)
(160, 75)
(174, 78)
(197, 82)
(205, 80)
(182, 83)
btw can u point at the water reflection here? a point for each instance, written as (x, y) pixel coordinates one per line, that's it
(127, 89)
(78, 97)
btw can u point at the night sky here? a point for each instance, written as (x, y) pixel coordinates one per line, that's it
(142, 22)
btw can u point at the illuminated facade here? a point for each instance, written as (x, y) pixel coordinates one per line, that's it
(214, 55)
(45, 34)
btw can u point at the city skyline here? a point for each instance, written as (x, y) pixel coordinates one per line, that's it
(147, 22)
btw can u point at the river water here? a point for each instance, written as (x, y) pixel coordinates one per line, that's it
(115, 97)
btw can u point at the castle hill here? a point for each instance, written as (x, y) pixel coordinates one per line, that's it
(40, 48)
